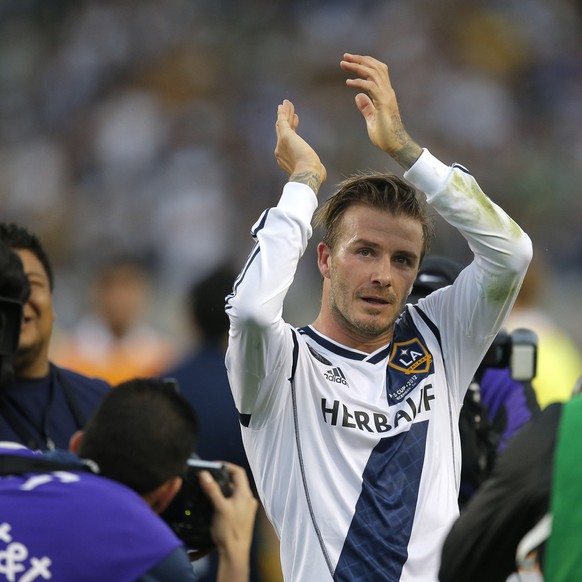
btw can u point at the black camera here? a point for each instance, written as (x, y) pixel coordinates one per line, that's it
(14, 292)
(516, 350)
(190, 512)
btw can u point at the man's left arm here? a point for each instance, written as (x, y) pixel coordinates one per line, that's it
(493, 236)
(484, 293)
(479, 301)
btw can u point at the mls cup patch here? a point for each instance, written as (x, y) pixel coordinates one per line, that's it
(410, 357)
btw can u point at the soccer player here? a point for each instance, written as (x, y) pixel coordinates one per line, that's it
(351, 423)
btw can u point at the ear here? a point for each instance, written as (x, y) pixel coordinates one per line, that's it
(162, 496)
(75, 441)
(324, 260)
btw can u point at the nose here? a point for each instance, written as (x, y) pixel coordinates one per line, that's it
(382, 274)
(27, 309)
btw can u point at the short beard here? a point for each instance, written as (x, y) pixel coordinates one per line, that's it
(360, 329)
(25, 358)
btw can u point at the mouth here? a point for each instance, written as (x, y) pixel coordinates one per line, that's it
(375, 301)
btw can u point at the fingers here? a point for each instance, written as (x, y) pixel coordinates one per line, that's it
(286, 117)
(371, 74)
(239, 477)
(211, 488)
(240, 481)
(364, 104)
(287, 122)
(282, 119)
(233, 522)
(361, 65)
(293, 154)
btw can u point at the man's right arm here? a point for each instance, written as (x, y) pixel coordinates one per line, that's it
(258, 344)
(293, 154)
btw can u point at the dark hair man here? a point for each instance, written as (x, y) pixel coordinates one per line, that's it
(351, 424)
(68, 524)
(44, 404)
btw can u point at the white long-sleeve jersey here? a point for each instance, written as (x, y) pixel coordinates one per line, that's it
(356, 456)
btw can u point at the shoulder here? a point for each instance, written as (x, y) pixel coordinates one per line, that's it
(83, 381)
(198, 360)
(499, 381)
(532, 449)
(176, 567)
(104, 496)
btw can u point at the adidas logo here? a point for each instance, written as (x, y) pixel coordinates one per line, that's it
(336, 375)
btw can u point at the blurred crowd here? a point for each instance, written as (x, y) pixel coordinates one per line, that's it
(146, 128)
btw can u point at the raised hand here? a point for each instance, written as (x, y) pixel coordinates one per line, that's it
(377, 103)
(293, 153)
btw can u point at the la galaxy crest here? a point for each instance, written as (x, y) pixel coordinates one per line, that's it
(410, 357)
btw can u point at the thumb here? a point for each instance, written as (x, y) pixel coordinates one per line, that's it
(210, 487)
(365, 105)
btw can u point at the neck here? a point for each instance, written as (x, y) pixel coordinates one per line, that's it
(351, 338)
(31, 370)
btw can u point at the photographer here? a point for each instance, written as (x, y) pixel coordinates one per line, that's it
(71, 524)
(534, 489)
(42, 405)
(202, 379)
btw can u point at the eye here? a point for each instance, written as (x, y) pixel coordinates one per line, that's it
(403, 260)
(36, 282)
(365, 252)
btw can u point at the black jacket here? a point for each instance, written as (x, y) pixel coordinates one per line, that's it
(482, 543)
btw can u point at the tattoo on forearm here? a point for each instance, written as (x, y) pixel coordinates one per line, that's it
(309, 178)
(408, 155)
